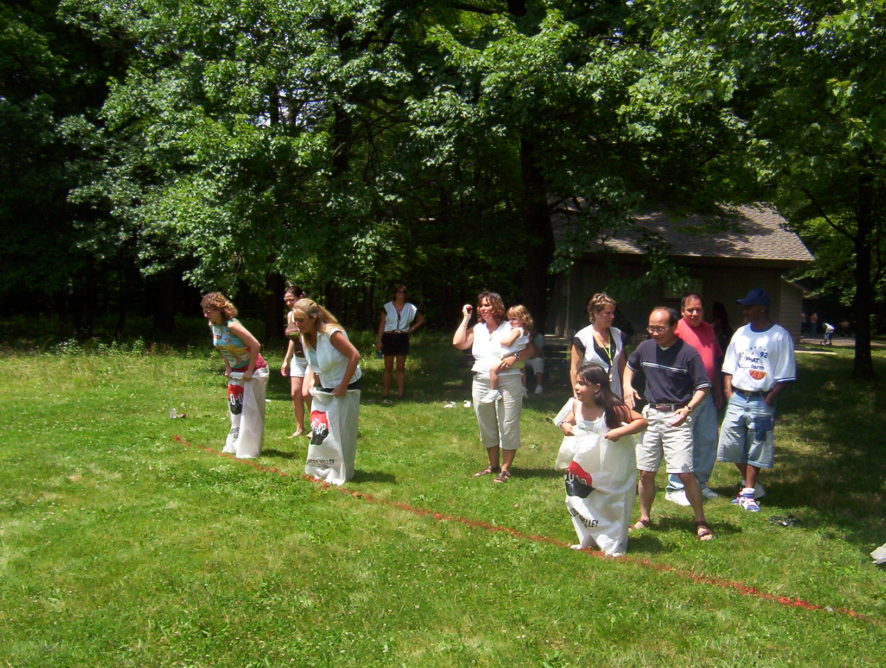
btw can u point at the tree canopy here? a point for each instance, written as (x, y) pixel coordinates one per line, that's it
(354, 142)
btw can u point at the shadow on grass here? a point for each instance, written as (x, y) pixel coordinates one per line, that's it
(520, 472)
(836, 468)
(282, 454)
(374, 476)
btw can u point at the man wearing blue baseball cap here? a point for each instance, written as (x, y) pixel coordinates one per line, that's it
(759, 362)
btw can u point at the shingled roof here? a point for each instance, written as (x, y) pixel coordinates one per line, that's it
(753, 233)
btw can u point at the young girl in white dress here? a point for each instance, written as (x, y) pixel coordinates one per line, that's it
(601, 478)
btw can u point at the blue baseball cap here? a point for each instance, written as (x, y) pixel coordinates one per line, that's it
(755, 297)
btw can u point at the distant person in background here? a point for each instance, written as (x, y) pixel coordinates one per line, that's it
(537, 364)
(759, 363)
(247, 374)
(720, 323)
(813, 324)
(399, 318)
(295, 364)
(829, 330)
(600, 342)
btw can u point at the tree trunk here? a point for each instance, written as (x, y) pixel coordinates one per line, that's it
(275, 284)
(165, 284)
(83, 300)
(863, 368)
(539, 245)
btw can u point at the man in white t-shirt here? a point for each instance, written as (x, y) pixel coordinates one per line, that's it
(759, 362)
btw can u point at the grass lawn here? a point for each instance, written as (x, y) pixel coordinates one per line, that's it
(121, 546)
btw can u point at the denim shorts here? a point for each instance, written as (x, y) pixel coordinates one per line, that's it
(746, 431)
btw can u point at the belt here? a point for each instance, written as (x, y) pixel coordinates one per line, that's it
(353, 386)
(745, 393)
(667, 407)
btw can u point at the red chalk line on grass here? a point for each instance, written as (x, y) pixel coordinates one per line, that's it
(742, 589)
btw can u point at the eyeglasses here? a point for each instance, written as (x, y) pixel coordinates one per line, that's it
(657, 330)
(403, 291)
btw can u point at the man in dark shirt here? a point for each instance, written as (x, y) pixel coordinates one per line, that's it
(676, 383)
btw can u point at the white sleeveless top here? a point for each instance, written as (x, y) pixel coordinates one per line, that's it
(597, 426)
(487, 349)
(329, 364)
(399, 322)
(586, 336)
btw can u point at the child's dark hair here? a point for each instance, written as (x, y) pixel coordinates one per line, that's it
(613, 407)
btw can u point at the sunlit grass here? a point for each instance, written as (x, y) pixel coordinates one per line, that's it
(120, 546)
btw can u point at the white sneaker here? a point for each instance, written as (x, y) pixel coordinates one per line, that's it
(525, 392)
(708, 493)
(538, 389)
(677, 496)
(747, 502)
(759, 491)
(490, 397)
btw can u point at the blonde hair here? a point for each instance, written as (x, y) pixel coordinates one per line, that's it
(218, 302)
(522, 313)
(311, 309)
(597, 303)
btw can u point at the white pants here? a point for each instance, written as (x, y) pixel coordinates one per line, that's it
(499, 421)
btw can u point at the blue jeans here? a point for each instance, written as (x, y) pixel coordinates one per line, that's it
(704, 444)
(746, 432)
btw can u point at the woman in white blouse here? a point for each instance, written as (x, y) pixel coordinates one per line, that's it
(499, 422)
(399, 318)
(600, 343)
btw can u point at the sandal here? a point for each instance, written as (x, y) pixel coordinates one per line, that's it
(641, 524)
(487, 471)
(504, 476)
(703, 531)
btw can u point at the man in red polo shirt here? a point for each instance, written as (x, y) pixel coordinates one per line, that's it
(699, 334)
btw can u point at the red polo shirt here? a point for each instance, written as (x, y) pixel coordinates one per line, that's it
(703, 339)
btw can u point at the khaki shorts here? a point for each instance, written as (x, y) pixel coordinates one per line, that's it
(662, 440)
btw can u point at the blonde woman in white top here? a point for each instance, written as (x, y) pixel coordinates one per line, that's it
(335, 410)
(332, 357)
(600, 343)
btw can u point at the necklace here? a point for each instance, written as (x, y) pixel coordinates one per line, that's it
(608, 348)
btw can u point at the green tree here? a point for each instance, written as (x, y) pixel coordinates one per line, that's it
(47, 72)
(809, 81)
(565, 101)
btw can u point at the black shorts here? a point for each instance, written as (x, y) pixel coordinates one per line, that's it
(395, 343)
